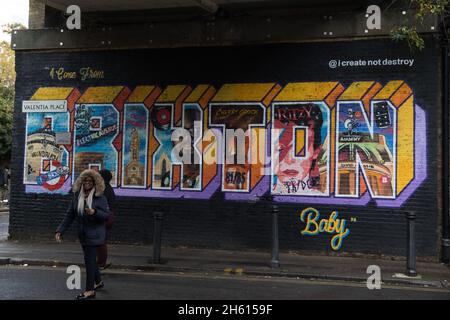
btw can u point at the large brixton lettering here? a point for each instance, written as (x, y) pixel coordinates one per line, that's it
(316, 142)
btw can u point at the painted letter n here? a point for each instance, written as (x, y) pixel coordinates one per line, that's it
(374, 140)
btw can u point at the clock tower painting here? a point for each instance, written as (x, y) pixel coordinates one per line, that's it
(134, 171)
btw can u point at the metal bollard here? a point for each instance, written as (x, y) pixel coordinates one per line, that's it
(275, 261)
(411, 244)
(158, 218)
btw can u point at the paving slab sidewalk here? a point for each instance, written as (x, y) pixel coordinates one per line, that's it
(241, 263)
(4, 223)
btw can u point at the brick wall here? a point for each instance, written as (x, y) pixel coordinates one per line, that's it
(220, 223)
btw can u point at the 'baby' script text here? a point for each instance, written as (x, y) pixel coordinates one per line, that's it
(332, 225)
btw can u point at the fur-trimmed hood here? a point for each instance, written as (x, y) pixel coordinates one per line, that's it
(99, 183)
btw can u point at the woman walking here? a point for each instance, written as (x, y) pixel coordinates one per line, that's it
(90, 208)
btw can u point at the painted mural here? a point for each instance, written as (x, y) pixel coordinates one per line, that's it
(42, 153)
(300, 149)
(96, 126)
(135, 145)
(301, 143)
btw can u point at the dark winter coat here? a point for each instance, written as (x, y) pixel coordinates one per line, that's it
(91, 229)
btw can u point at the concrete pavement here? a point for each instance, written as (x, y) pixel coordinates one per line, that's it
(4, 222)
(254, 263)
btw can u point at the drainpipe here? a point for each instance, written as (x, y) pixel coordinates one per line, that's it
(445, 144)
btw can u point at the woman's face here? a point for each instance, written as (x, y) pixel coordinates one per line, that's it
(289, 168)
(88, 183)
(293, 169)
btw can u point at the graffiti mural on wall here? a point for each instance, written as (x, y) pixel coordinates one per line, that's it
(302, 117)
(135, 133)
(47, 162)
(97, 142)
(241, 111)
(304, 143)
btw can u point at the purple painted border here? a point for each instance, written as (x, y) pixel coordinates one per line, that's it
(31, 188)
(420, 161)
(362, 201)
(258, 191)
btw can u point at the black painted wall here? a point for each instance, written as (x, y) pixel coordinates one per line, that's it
(236, 225)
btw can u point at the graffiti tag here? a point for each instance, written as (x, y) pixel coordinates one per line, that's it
(293, 185)
(332, 225)
(91, 138)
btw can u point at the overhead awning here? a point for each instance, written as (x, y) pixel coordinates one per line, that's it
(118, 24)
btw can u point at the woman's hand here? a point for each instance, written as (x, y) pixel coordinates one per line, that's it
(58, 237)
(90, 211)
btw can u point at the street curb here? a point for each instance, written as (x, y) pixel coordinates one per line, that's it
(164, 268)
